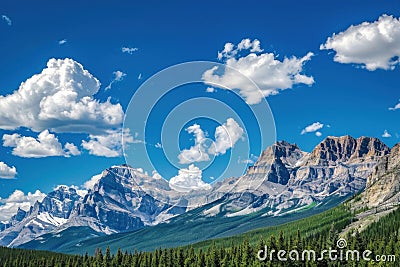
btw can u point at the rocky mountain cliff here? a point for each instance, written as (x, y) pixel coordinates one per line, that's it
(381, 195)
(282, 180)
(115, 204)
(339, 164)
(42, 217)
(346, 149)
(383, 185)
(285, 178)
(276, 163)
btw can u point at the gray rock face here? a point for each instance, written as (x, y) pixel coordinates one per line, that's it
(285, 177)
(60, 202)
(118, 203)
(43, 217)
(345, 149)
(276, 163)
(115, 204)
(383, 185)
(339, 163)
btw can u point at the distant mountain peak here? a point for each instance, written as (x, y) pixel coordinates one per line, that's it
(275, 163)
(346, 148)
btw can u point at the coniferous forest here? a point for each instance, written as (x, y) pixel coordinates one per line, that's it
(317, 233)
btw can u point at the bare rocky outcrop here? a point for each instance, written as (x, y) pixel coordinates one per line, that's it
(383, 185)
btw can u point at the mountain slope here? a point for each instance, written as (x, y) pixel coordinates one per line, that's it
(42, 217)
(185, 229)
(285, 177)
(283, 180)
(115, 204)
(382, 193)
(383, 185)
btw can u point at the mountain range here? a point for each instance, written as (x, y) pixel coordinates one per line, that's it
(285, 180)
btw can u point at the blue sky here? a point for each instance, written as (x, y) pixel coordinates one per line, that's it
(351, 95)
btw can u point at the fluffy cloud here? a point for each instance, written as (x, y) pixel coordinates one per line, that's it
(129, 50)
(197, 152)
(253, 158)
(90, 183)
(386, 134)
(189, 179)
(6, 19)
(118, 76)
(7, 172)
(63, 41)
(264, 69)
(60, 98)
(108, 144)
(45, 145)
(156, 175)
(226, 137)
(313, 128)
(17, 200)
(374, 45)
(246, 44)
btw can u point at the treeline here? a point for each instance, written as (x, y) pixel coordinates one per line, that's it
(382, 238)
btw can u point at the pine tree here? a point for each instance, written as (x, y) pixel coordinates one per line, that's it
(107, 258)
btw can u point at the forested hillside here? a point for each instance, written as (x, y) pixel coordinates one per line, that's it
(315, 233)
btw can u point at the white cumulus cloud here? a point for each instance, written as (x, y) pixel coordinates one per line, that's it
(18, 199)
(313, 128)
(108, 144)
(129, 50)
(189, 179)
(118, 76)
(373, 45)
(264, 69)
(386, 134)
(45, 145)
(226, 137)
(89, 184)
(197, 152)
(156, 175)
(60, 98)
(63, 41)
(230, 51)
(7, 172)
